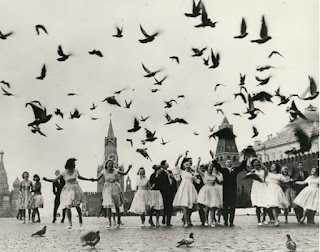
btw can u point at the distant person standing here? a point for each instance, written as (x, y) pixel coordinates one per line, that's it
(300, 175)
(57, 187)
(36, 201)
(25, 196)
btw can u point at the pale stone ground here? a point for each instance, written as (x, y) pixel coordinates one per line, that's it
(245, 236)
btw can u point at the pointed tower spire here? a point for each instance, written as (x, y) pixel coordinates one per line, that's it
(110, 131)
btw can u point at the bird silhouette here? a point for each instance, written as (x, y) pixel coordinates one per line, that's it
(40, 232)
(93, 107)
(195, 133)
(75, 114)
(149, 73)
(295, 112)
(263, 68)
(206, 61)
(217, 85)
(264, 37)
(90, 239)
(181, 96)
(59, 113)
(215, 60)
(211, 129)
(5, 83)
(94, 118)
(163, 142)
(72, 94)
(206, 22)
(176, 58)
(243, 30)
(255, 132)
(312, 89)
(41, 27)
(112, 100)
(196, 10)
(253, 175)
(263, 81)
(6, 93)
(169, 103)
(186, 241)
(120, 91)
(249, 152)
(130, 141)
(304, 140)
(128, 104)
(197, 52)
(136, 126)
(58, 127)
(150, 137)
(159, 82)
(155, 90)
(63, 56)
(218, 104)
(242, 79)
(220, 110)
(148, 38)
(144, 153)
(36, 129)
(225, 133)
(4, 36)
(290, 244)
(237, 114)
(274, 53)
(96, 52)
(40, 115)
(241, 95)
(262, 97)
(119, 33)
(143, 119)
(176, 120)
(43, 73)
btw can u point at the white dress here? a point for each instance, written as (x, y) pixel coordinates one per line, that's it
(258, 191)
(209, 194)
(186, 195)
(308, 198)
(275, 196)
(140, 200)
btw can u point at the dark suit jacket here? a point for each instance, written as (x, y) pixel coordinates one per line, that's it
(297, 177)
(57, 187)
(167, 189)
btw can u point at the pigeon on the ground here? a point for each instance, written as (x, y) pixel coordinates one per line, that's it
(186, 241)
(290, 244)
(40, 232)
(90, 239)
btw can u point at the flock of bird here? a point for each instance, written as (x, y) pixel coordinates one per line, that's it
(250, 100)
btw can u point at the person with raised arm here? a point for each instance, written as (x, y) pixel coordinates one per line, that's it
(71, 193)
(112, 193)
(229, 174)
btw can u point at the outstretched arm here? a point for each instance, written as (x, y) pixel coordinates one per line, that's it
(198, 168)
(125, 173)
(304, 182)
(242, 166)
(177, 162)
(53, 180)
(98, 178)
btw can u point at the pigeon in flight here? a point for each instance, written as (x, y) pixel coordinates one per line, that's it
(163, 142)
(220, 110)
(96, 52)
(148, 38)
(262, 97)
(255, 132)
(90, 239)
(128, 104)
(144, 153)
(159, 82)
(93, 106)
(130, 141)
(150, 137)
(217, 85)
(295, 112)
(40, 232)
(63, 56)
(243, 30)
(58, 127)
(4, 36)
(72, 94)
(206, 22)
(119, 33)
(40, 115)
(197, 52)
(211, 129)
(75, 114)
(223, 133)
(41, 27)
(5, 83)
(36, 129)
(274, 53)
(112, 100)
(58, 112)
(263, 81)
(176, 58)
(186, 241)
(242, 79)
(196, 10)
(149, 73)
(206, 61)
(176, 120)
(169, 103)
(241, 95)
(136, 126)
(304, 140)
(215, 60)
(6, 93)
(144, 119)
(263, 68)
(312, 89)
(290, 244)
(264, 37)
(43, 73)
(155, 90)
(181, 96)
(120, 91)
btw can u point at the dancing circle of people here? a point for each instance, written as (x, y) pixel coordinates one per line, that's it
(207, 188)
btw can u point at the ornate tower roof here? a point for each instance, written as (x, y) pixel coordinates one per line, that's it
(110, 131)
(4, 187)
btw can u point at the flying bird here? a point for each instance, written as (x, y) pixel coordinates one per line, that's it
(241, 95)
(211, 129)
(120, 91)
(6, 93)
(155, 90)
(215, 60)
(237, 114)
(128, 104)
(59, 113)
(5, 83)
(242, 79)
(4, 36)
(159, 82)
(112, 100)
(312, 89)
(197, 52)
(130, 141)
(163, 142)
(249, 152)
(150, 137)
(43, 73)
(149, 73)
(58, 127)
(72, 94)
(225, 133)
(41, 27)
(186, 241)
(196, 10)
(195, 133)
(148, 38)
(93, 106)
(75, 114)
(144, 119)
(40, 115)
(255, 132)
(220, 110)
(295, 112)
(264, 37)
(40, 232)
(304, 140)
(206, 22)
(90, 239)
(290, 244)
(217, 85)
(169, 103)
(263, 81)
(63, 56)
(243, 30)
(206, 61)
(119, 33)
(176, 120)
(136, 126)
(274, 53)
(263, 68)
(218, 104)
(175, 58)
(144, 153)
(94, 118)
(96, 52)
(36, 129)
(262, 97)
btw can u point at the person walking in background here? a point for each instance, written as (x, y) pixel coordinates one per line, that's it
(36, 199)
(112, 193)
(56, 188)
(308, 198)
(299, 175)
(140, 200)
(229, 174)
(71, 193)
(25, 196)
(288, 191)
(155, 200)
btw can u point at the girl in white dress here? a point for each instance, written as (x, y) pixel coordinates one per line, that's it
(25, 196)
(275, 197)
(258, 190)
(71, 193)
(209, 194)
(186, 196)
(112, 193)
(36, 201)
(140, 200)
(308, 198)
(288, 191)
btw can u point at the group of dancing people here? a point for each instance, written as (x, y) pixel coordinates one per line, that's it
(206, 188)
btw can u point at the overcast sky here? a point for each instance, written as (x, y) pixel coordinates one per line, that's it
(81, 26)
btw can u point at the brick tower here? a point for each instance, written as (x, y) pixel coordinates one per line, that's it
(227, 148)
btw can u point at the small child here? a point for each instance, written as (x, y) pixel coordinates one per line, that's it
(37, 199)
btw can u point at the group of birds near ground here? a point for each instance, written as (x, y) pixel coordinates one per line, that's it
(92, 238)
(41, 116)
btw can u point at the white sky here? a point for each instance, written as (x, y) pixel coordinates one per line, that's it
(80, 26)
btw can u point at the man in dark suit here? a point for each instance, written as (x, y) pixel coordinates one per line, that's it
(229, 174)
(299, 175)
(198, 187)
(168, 189)
(57, 187)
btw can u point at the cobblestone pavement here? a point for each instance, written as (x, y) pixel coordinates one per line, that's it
(245, 236)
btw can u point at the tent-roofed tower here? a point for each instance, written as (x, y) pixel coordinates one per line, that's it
(4, 186)
(226, 147)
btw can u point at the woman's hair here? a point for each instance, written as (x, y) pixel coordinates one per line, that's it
(283, 168)
(70, 163)
(185, 160)
(253, 160)
(36, 176)
(141, 168)
(278, 168)
(317, 170)
(106, 164)
(155, 167)
(25, 172)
